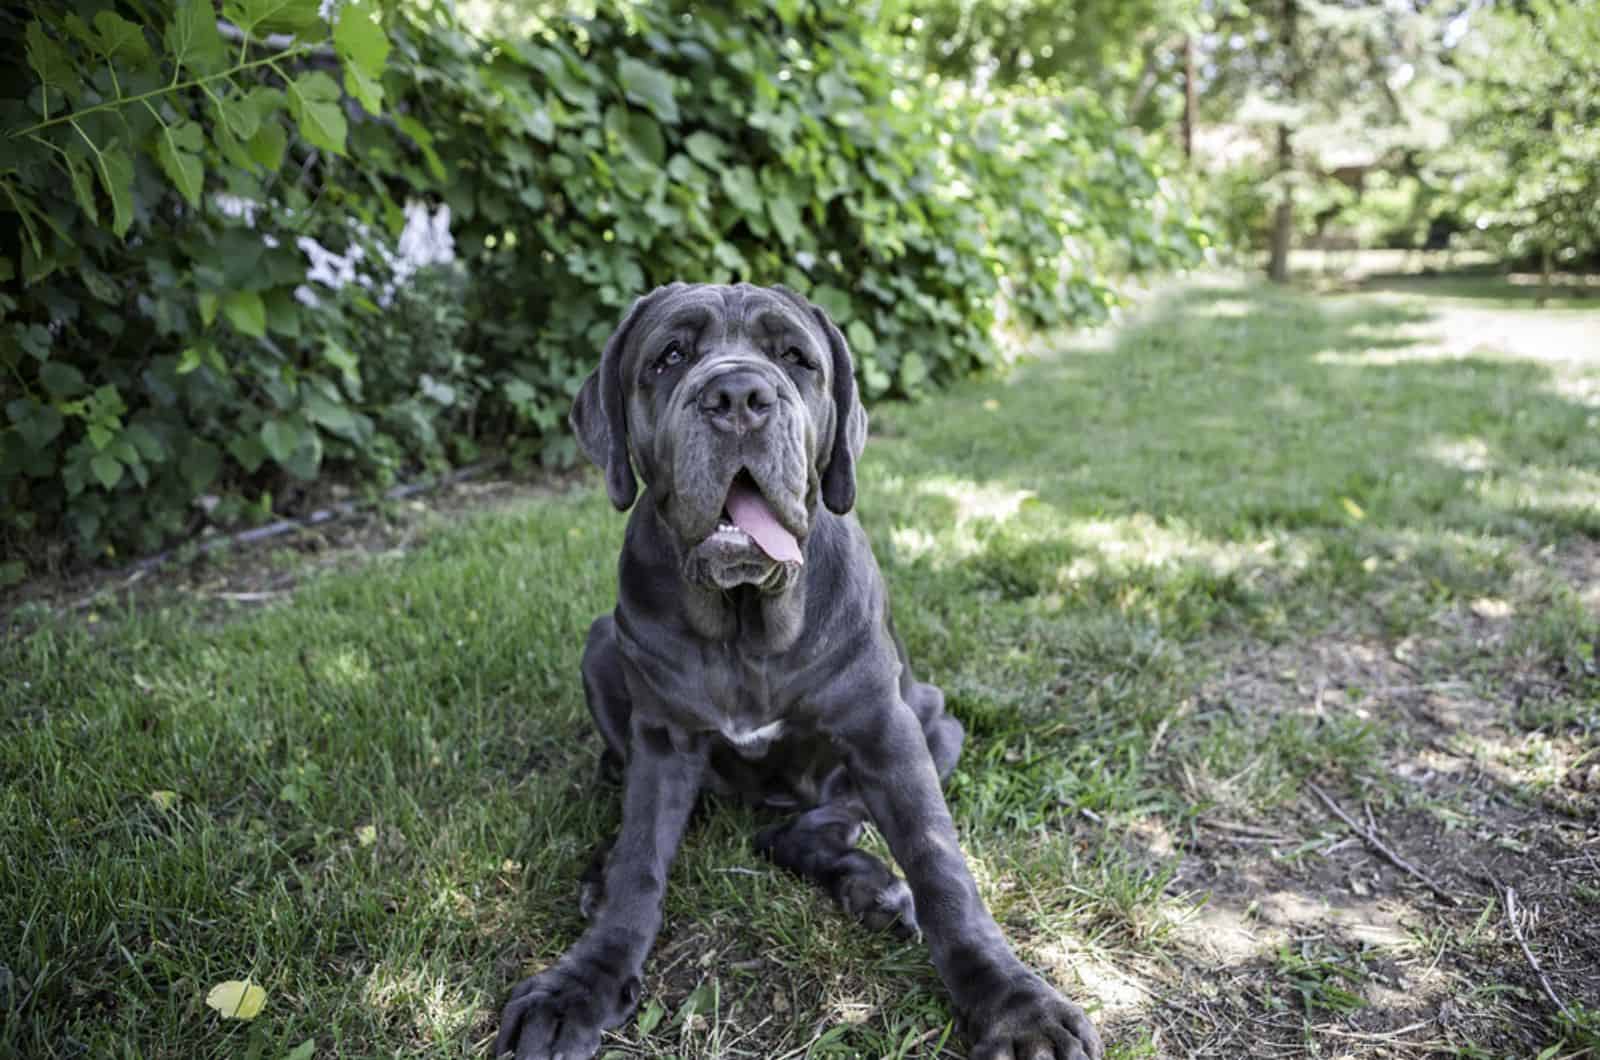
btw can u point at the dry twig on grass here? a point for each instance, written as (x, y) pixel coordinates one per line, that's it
(1369, 837)
(1508, 899)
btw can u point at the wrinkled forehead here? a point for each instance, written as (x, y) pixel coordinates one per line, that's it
(713, 315)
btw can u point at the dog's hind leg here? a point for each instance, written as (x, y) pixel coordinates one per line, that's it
(820, 845)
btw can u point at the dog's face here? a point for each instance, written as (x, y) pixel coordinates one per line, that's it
(738, 407)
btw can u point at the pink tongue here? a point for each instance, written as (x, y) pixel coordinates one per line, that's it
(751, 514)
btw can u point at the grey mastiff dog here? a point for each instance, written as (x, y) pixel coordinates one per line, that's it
(751, 653)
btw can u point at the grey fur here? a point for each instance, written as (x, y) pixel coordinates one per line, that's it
(779, 682)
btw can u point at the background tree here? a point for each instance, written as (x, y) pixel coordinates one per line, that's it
(1525, 167)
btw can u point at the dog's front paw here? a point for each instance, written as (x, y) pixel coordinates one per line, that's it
(559, 1013)
(1033, 1022)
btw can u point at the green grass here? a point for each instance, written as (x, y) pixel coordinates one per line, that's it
(1164, 574)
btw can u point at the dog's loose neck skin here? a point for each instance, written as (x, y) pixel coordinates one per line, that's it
(763, 622)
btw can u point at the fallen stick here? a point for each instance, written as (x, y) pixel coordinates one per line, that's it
(1368, 837)
(1509, 900)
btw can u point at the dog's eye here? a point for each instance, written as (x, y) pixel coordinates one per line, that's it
(794, 356)
(670, 357)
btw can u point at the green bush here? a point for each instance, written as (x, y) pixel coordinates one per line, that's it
(171, 360)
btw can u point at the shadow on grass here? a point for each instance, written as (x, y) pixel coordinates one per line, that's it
(1495, 287)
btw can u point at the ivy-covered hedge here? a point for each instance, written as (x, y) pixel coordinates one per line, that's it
(252, 247)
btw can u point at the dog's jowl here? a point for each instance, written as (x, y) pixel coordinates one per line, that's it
(752, 653)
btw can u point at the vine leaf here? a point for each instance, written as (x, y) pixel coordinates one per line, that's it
(363, 48)
(272, 16)
(246, 312)
(50, 61)
(116, 176)
(314, 102)
(178, 151)
(193, 40)
(648, 87)
(121, 40)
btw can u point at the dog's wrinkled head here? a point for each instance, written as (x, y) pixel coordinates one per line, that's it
(738, 407)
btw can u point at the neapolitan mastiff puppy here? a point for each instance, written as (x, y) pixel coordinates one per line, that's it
(752, 653)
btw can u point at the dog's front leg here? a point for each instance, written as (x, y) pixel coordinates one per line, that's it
(561, 1011)
(1007, 1010)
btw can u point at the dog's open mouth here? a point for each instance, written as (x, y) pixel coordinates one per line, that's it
(748, 515)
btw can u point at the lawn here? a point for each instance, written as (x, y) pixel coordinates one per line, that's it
(1177, 578)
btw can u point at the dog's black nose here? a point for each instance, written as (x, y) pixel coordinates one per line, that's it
(739, 401)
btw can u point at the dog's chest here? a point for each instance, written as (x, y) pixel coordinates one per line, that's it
(747, 710)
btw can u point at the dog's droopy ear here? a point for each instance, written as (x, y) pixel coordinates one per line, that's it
(850, 422)
(600, 414)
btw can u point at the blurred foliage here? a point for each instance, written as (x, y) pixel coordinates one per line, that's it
(1449, 122)
(1525, 170)
(254, 248)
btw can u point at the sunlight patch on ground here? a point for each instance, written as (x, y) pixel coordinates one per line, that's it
(1138, 541)
(1096, 979)
(346, 667)
(1567, 346)
(434, 1005)
(1464, 454)
(1225, 307)
(1564, 490)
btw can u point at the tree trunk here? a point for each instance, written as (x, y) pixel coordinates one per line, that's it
(1283, 217)
(1188, 97)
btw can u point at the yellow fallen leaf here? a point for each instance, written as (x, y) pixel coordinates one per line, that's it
(164, 800)
(367, 835)
(237, 1000)
(1353, 508)
(991, 405)
(1491, 607)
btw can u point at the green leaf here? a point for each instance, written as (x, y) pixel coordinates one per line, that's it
(786, 219)
(913, 372)
(146, 441)
(273, 16)
(281, 437)
(639, 135)
(50, 61)
(82, 176)
(332, 415)
(267, 145)
(304, 1051)
(248, 451)
(705, 149)
(62, 380)
(246, 312)
(740, 184)
(207, 301)
(359, 37)
(122, 41)
(200, 464)
(649, 87)
(367, 90)
(363, 47)
(38, 424)
(106, 468)
(862, 341)
(178, 151)
(240, 116)
(424, 140)
(192, 38)
(834, 302)
(314, 102)
(294, 444)
(116, 176)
